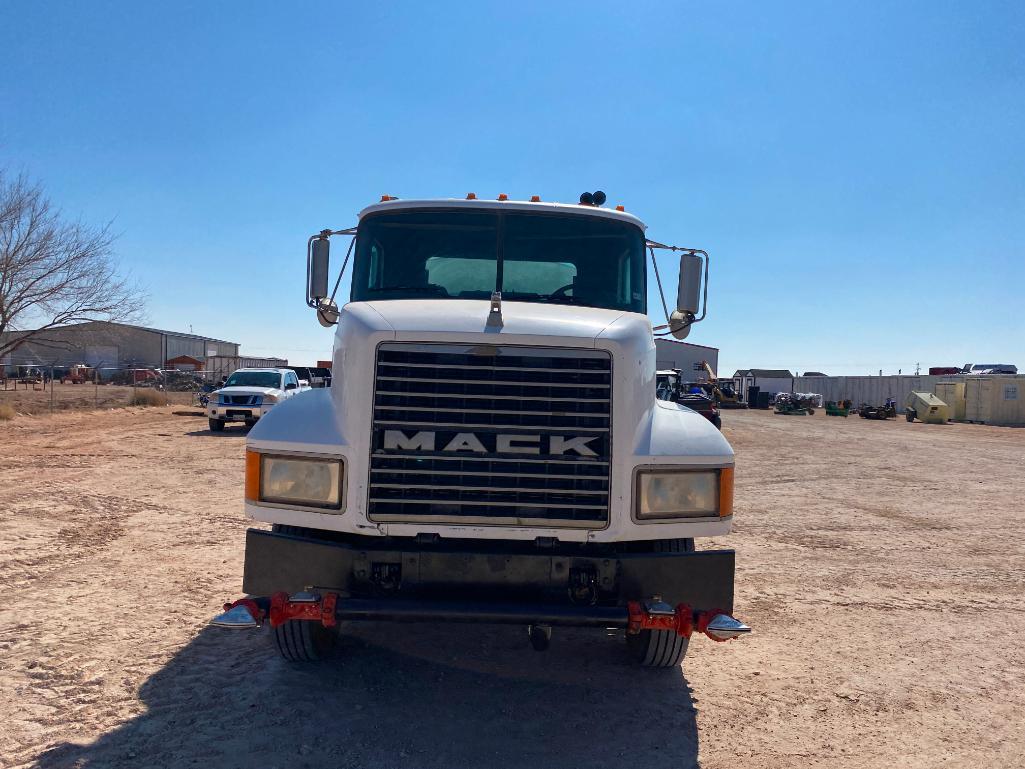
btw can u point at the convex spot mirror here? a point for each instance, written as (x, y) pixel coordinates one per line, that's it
(327, 312)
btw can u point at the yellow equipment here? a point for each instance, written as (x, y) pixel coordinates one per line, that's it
(725, 395)
(926, 407)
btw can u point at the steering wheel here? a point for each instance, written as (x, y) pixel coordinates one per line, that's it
(560, 291)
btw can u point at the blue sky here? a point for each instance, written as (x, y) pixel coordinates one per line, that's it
(856, 170)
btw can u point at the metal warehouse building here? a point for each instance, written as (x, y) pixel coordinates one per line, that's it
(685, 356)
(100, 343)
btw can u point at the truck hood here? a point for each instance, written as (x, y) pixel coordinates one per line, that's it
(461, 316)
(243, 390)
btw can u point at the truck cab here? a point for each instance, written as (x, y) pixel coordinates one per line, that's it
(491, 448)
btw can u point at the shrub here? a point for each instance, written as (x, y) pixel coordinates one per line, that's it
(6, 412)
(148, 398)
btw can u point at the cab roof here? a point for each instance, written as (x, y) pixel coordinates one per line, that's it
(503, 205)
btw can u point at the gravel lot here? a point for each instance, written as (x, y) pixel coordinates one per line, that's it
(881, 565)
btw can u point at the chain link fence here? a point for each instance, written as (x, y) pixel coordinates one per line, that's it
(34, 388)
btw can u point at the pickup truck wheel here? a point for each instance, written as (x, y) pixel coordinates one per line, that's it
(304, 640)
(216, 425)
(661, 648)
(717, 421)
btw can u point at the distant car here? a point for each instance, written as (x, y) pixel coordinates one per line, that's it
(314, 377)
(250, 393)
(321, 377)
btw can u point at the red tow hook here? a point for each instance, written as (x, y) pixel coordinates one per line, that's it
(251, 612)
(658, 615)
(307, 606)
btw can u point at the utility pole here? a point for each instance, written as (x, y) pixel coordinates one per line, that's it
(917, 368)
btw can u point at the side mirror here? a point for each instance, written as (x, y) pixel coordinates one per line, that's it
(319, 266)
(693, 278)
(688, 297)
(291, 386)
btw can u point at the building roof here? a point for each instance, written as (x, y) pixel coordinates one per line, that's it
(181, 334)
(767, 373)
(814, 373)
(687, 344)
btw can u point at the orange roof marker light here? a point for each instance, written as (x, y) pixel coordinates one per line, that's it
(535, 198)
(502, 196)
(620, 208)
(471, 195)
(386, 198)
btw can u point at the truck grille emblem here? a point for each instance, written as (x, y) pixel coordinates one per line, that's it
(425, 440)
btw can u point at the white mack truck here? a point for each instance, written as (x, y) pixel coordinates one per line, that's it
(491, 449)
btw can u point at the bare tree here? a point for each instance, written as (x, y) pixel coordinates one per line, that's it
(53, 272)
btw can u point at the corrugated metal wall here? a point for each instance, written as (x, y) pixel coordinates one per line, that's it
(97, 343)
(196, 348)
(113, 344)
(873, 390)
(219, 366)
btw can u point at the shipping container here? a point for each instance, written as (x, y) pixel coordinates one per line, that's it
(952, 393)
(995, 400)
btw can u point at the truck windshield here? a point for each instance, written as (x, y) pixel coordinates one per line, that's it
(254, 379)
(551, 258)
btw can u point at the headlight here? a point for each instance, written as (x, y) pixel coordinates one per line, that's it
(270, 398)
(684, 493)
(302, 481)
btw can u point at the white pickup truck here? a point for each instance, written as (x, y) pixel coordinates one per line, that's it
(249, 394)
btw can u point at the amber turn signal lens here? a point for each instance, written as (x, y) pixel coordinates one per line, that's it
(726, 492)
(252, 476)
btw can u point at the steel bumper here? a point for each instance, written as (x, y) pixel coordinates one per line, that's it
(274, 563)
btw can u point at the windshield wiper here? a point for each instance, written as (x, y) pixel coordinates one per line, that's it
(527, 296)
(430, 288)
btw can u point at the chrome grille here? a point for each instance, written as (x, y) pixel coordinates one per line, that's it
(242, 400)
(486, 434)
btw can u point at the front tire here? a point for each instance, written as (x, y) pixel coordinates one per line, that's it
(661, 648)
(304, 640)
(216, 425)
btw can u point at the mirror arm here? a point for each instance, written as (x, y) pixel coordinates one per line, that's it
(345, 263)
(658, 279)
(309, 250)
(652, 245)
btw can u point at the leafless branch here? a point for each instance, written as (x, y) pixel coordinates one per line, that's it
(54, 272)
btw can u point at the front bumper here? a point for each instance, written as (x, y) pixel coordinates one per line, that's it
(232, 413)
(489, 571)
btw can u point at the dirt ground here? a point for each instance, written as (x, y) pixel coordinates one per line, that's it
(882, 566)
(38, 400)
